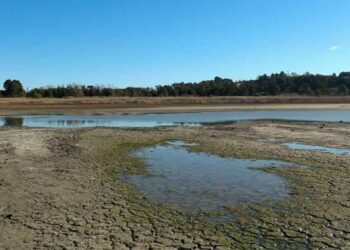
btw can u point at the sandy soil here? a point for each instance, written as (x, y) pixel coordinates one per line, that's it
(59, 190)
(137, 105)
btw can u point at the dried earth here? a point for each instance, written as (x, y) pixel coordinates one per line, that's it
(59, 190)
(142, 105)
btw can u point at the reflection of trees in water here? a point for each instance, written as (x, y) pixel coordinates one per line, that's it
(68, 123)
(50, 122)
(63, 123)
(73, 123)
(13, 121)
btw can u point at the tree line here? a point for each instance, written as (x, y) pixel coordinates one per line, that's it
(275, 84)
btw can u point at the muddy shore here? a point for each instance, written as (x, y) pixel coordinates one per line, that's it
(59, 190)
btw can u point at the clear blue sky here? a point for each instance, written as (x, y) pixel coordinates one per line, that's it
(150, 42)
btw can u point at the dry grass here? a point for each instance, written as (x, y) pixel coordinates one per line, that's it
(105, 105)
(176, 100)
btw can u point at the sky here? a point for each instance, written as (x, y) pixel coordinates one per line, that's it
(145, 43)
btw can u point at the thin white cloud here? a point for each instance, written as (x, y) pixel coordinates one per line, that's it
(333, 48)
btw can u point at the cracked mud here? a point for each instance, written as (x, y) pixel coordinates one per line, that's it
(59, 190)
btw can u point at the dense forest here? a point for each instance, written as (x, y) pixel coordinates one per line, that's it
(274, 84)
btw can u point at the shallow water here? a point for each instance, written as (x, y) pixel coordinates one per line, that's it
(152, 120)
(197, 181)
(337, 151)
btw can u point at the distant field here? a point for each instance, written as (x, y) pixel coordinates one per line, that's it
(117, 105)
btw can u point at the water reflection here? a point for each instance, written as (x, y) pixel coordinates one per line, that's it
(337, 151)
(198, 181)
(12, 122)
(184, 119)
(71, 123)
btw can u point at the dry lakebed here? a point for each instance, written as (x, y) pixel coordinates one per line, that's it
(238, 185)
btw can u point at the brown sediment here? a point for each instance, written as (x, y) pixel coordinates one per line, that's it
(59, 189)
(140, 105)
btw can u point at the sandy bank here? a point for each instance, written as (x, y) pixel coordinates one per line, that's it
(140, 105)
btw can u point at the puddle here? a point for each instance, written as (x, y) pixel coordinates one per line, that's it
(202, 182)
(181, 143)
(336, 151)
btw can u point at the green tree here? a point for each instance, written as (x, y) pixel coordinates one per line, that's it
(13, 88)
(275, 89)
(343, 90)
(306, 89)
(34, 93)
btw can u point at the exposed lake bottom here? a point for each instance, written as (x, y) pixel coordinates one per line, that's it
(59, 189)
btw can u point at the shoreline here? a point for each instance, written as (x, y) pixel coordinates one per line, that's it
(103, 110)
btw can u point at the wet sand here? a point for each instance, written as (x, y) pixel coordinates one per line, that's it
(59, 190)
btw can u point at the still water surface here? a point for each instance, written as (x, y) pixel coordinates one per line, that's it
(152, 120)
(192, 181)
(301, 146)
